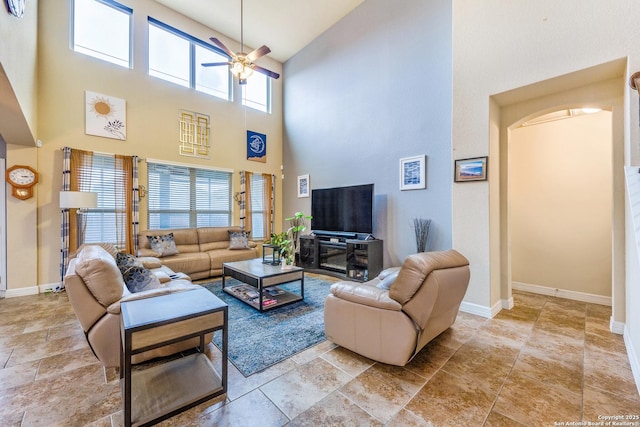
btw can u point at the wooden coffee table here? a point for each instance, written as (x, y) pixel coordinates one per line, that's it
(259, 287)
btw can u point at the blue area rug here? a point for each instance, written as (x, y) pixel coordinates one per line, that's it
(259, 340)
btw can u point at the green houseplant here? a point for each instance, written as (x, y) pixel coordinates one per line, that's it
(281, 241)
(298, 225)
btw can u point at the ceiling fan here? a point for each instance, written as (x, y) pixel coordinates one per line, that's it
(241, 63)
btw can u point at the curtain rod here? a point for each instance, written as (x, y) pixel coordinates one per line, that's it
(140, 159)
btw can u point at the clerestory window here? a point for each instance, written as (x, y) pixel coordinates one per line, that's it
(102, 29)
(176, 57)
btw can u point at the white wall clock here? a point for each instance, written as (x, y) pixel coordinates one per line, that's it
(16, 7)
(22, 180)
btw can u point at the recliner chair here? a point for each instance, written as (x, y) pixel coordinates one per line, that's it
(392, 326)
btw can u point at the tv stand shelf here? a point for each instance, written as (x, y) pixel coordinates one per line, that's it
(341, 256)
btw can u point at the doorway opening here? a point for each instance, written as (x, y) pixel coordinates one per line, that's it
(560, 204)
(602, 87)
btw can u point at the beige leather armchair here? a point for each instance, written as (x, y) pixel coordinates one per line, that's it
(96, 288)
(391, 326)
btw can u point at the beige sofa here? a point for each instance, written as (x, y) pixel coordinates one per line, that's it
(201, 251)
(96, 288)
(391, 326)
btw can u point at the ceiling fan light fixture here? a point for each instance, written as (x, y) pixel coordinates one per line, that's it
(241, 64)
(240, 70)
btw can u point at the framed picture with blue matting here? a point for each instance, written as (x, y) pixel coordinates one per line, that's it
(256, 146)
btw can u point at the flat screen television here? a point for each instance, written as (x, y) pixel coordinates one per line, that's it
(343, 209)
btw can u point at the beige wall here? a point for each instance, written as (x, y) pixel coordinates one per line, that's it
(499, 47)
(18, 76)
(560, 204)
(152, 112)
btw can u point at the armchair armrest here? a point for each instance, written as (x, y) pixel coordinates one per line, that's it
(364, 294)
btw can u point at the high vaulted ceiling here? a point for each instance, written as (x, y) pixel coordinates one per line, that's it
(286, 26)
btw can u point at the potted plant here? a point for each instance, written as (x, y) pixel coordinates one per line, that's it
(298, 225)
(279, 241)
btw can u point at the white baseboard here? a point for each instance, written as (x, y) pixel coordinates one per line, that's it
(481, 310)
(508, 304)
(562, 293)
(633, 358)
(21, 292)
(32, 290)
(616, 327)
(51, 287)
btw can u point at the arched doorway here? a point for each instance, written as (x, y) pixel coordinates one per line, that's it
(602, 87)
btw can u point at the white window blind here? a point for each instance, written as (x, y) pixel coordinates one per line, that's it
(107, 222)
(184, 197)
(258, 206)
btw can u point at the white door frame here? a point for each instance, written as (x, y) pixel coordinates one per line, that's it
(3, 233)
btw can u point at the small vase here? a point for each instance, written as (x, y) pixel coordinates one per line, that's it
(286, 266)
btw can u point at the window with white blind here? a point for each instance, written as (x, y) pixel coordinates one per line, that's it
(102, 29)
(185, 197)
(106, 222)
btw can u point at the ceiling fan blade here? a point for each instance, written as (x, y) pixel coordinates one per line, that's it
(214, 64)
(259, 52)
(269, 73)
(222, 46)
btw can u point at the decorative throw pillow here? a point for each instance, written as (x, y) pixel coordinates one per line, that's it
(239, 239)
(163, 245)
(140, 279)
(126, 261)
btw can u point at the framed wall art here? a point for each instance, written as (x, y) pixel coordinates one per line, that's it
(303, 186)
(105, 116)
(413, 173)
(256, 146)
(472, 169)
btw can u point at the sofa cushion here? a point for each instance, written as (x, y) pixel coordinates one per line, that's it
(239, 240)
(109, 247)
(220, 256)
(188, 263)
(98, 270)
(163, 245)
(150, 262)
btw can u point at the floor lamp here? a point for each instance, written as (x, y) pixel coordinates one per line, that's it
(80, 200)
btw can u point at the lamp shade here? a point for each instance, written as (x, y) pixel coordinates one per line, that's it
(78, 199)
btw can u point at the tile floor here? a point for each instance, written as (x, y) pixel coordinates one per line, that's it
(546, 362)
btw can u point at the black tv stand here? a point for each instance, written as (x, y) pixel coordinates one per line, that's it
(353, 256)
(334, 235)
